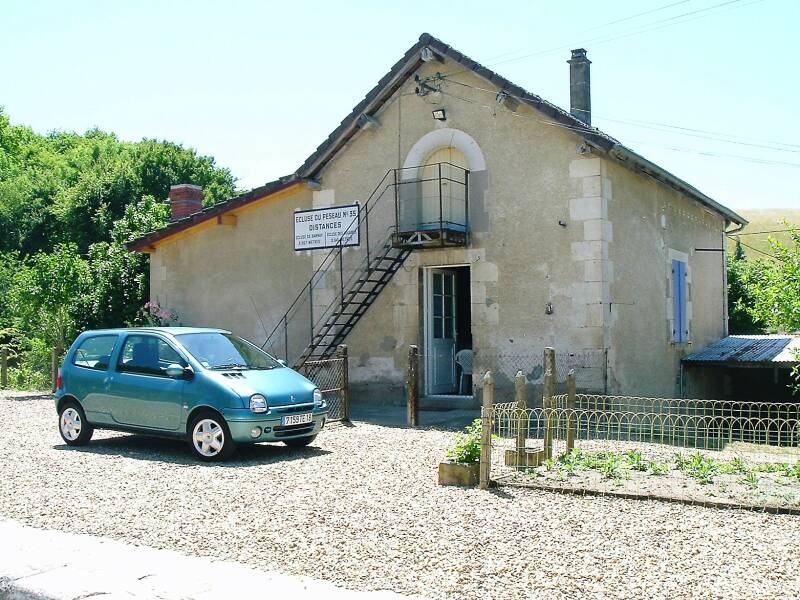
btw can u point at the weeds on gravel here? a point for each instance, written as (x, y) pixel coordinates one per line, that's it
(635, 460)
(750, 480)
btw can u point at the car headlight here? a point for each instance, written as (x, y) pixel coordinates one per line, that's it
(258, 403)
(317, 397)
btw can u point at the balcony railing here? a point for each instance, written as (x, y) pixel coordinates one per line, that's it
(431, 206)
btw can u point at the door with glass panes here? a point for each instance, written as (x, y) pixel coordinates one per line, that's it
(441, 331)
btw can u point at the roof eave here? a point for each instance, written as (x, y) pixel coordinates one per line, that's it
(146, 242)
(625, 155)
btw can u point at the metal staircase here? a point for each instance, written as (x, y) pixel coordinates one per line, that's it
(350, 278)
(356, 301)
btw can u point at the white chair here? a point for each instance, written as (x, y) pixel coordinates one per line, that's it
(464, 360)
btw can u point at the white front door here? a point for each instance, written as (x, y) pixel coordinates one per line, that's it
(440, 335)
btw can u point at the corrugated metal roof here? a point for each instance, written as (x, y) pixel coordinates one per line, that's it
(750, 349)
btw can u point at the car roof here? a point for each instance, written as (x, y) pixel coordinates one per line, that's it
(173, 331)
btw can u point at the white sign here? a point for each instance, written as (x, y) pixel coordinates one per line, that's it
(326, 227)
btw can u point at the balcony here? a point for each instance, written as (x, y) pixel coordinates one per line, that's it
(431, 206)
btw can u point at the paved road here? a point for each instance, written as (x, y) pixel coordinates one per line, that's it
(38, 564)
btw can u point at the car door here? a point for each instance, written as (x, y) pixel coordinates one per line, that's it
(141, 394)
(88, 376)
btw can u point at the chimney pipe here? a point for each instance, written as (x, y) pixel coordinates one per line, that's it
(185, 199)
(580, 97)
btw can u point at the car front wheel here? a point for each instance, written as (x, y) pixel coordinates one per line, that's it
(300, 442)
(73, 426)
(209, 438)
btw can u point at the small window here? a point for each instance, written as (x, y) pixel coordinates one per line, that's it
(95, 352)
(147, 355)
(680, 322)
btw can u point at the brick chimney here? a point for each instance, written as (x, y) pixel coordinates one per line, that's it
(185, 199)
(580, 97)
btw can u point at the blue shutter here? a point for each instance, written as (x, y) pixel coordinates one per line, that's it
(679, 320)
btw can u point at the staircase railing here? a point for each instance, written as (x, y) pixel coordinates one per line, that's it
(394, 205)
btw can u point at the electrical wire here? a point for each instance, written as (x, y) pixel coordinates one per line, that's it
(639, 29)
(718, 133)
(754, 249)
(701, 136)
(595, 28)
(766, 232)
(634, 123)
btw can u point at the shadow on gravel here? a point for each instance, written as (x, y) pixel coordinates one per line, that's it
(176, 452)
(26, 396)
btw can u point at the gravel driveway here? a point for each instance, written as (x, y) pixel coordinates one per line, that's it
(361, 508)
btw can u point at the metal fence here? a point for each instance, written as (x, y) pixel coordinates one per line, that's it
(331, 376)
(523, 437)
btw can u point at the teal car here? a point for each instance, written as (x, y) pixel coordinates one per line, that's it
(208, 386)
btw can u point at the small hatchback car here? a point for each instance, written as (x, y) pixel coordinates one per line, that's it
(208, 386)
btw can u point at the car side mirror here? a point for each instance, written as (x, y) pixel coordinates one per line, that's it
(175, 371)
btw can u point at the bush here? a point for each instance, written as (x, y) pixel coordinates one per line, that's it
(467, 448)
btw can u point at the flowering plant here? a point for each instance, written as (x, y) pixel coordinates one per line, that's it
(155, 316)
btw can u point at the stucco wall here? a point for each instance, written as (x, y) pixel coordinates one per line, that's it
(212, 277)
(652, 224)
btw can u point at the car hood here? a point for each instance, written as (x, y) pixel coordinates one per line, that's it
(281, 386)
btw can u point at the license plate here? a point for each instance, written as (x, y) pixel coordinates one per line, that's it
(296, 419)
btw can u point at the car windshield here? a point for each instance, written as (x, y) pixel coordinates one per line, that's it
(225, 351)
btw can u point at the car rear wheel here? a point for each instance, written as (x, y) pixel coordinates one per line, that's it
(73, 426)
(209, 438)
(300, 442)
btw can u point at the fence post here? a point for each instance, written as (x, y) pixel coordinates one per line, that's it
(412, 387)
(572, 421)
(341, 352)
(522, 414)
(550, 361)
(547, 410)
(54, 356)
(486, 431)
(3, 368)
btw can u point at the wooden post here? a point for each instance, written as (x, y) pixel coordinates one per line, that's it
(522, 416)
(3, 368)
(54, 355)
(412, 387)
(341, 352)
(572, 419)
(549, 362)
(547, 410)
(486, 431)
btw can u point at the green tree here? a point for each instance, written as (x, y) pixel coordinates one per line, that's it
(777, 289)
(742, 275)
(121, 278)
(51, 296)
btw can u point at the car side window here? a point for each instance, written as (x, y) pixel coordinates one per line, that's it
(95, 352)
(147, 355)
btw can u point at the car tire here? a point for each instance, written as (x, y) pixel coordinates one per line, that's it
(75, 430)
(300, 442)
(210, 437)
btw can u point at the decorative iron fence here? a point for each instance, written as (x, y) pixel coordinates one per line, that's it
(331, 376)
(743, 455)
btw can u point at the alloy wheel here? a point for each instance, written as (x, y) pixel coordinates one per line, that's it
(208, 437)
(71, 424)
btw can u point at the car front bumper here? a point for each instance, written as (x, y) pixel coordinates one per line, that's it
(243, 422)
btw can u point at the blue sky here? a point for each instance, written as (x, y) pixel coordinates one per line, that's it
(259, 85)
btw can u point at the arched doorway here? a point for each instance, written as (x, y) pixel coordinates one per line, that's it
(443, 190)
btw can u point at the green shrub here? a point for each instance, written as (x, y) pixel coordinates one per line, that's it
(467, 448)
